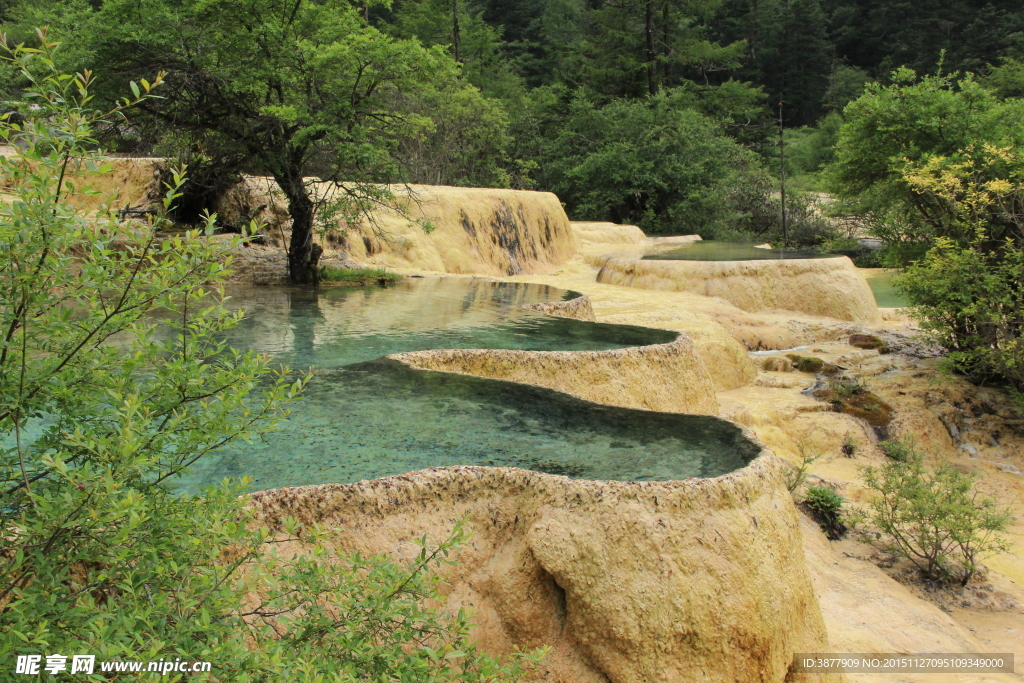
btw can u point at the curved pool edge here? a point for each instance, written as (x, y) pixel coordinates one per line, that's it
(605, 572)
(829, 287)
(669, 377)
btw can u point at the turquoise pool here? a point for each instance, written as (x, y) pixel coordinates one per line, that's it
(364, 416)
(712, 250)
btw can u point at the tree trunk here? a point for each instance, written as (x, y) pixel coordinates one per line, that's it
(652, 55)
(456, 37)
(303, 254)
(666, 49)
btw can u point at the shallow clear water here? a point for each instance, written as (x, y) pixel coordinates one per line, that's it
(363, 418)
(379, 418)
(302, 327)
(711, 250)
(886, 295)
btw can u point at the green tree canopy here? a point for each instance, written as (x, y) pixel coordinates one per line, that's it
(657, 163)
(298, 89)
(892, 128)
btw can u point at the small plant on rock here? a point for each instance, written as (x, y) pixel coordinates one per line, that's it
(826, 506)
(797, 475)
(899, 450)
(868, 342)
(849, 446)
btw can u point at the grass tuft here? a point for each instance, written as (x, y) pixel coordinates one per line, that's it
(357, 276)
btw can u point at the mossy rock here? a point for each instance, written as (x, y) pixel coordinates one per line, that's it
(813, 365)
(776, 364)
(868, 342)
(860, 404)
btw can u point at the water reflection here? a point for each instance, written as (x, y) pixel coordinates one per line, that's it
(365, 417)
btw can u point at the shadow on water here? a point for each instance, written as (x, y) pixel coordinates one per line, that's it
(363, 418)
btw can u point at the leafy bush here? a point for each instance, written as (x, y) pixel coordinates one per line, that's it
(937, 165)
(893, 131)
(101, 407)
(796, 476)
(900, 450)
(934, 518)
(826, 506)
(970, 302)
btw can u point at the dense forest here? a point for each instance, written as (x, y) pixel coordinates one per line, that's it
(661, 113)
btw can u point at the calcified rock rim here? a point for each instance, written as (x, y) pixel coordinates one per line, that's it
(666, 377)
(321, 503)
(626, 581)
(825, 286)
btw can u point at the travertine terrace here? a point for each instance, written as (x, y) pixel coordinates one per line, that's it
(827, 287)
(700, 580)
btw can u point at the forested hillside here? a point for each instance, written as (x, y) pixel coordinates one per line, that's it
(660, 113)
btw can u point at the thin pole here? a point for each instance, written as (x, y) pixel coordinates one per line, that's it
(782, 158)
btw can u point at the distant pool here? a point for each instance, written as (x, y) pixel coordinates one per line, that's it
(712, 250)
(365, 417)
(886, 295)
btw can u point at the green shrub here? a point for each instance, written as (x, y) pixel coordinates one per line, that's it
(899, 450)
(796, 476)
(826, 505)
(101, 409)
(934, 518)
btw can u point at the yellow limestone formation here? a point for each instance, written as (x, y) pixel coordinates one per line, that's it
(826, 287)
(472, 230)
(695, 581)
(665, 377)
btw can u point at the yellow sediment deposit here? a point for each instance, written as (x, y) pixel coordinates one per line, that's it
(697, 580)
(481, 231)
(976, 429)
(467, 230)
(826, 287)
(130, 182)
(478, 231)
(665, 377)
(578, 308)
(608, 233)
